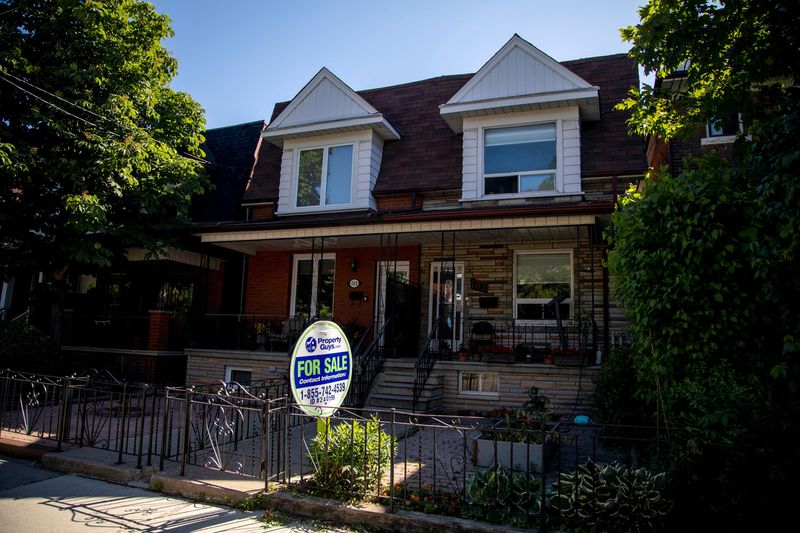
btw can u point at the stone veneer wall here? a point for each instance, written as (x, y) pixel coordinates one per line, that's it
(493, 263)
(570, 389)
(208, 366)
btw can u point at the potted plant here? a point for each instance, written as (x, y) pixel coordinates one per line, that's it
(462, 353)
(444, 350)
(261, 335)
(522, 436)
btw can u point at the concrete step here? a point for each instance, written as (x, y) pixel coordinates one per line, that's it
(404, 403)
(394, 376)
(428, 392)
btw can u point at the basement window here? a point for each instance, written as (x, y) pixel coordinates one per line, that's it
(478, 383)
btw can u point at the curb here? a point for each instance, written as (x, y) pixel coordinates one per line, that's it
(377, 515)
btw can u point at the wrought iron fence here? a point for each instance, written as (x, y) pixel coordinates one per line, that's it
(433, 463)
(430, 463)
(93, 410)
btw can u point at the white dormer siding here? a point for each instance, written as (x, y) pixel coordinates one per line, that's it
(520, 118)
(325, 103)
(568, 151)
(367, 151)
(519, 73)
(316, 130)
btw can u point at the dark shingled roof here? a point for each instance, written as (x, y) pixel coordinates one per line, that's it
(231, 151)
(606, 146)
(428, 155)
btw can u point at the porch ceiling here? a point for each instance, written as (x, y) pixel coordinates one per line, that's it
(430, 238)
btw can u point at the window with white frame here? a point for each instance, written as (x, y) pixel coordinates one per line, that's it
(722, 130)
(242, 376)
(477, 383)
(312, 285)
(520, 159)
(324, 176)
(538, 278)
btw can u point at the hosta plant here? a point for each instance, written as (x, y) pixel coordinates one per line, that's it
(498, 495)
(609, 497)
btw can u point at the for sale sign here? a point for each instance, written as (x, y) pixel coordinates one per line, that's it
(321, 369)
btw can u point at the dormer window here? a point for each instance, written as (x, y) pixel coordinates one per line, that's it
(520, 159)
(324, 176)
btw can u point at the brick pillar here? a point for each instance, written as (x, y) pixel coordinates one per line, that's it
(67, 322)
(158, 330)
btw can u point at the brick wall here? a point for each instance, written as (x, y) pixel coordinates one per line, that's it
(399, 202)
(269, 279)
(262, 212)
(214, 286)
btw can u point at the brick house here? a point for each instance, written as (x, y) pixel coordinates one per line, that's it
(135, 318)
(715, 135)
(452, 218)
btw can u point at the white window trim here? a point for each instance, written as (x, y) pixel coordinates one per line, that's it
(324, 177)
(229, 370)
(559, 170)
(314, 279)
(721, 139)
(478, 393)
(571, 284)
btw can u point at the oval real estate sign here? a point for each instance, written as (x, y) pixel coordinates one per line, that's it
(321, 368)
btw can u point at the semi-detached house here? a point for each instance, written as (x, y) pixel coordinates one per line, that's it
(458, 217)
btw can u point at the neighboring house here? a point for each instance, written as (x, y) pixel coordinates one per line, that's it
(717, 134)
(456, 212)
(135, 319)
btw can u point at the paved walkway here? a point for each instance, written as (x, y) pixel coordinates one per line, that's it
(34, 500)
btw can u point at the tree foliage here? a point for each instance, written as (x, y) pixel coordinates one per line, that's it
(97, 152)
(742, 56)
(707, 262)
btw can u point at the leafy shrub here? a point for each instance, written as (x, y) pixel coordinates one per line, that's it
(617, 391)
(22, 343)
(350, 457)
(609, 498)
(499, 496)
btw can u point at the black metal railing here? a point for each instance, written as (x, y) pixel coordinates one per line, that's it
(487, 333)
(92, 410)
(271, 333)
(430, 463)
(425, 362)
(108, 331)
(367, 364)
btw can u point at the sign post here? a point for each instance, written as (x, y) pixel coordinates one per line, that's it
(321, 369)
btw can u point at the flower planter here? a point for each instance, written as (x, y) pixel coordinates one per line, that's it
(514, 455)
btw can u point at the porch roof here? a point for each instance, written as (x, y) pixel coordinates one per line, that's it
(474, 230)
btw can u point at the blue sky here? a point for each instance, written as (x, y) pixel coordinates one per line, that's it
(239, 57)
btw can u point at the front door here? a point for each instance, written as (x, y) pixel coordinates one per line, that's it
(446, 302)
(399, 270)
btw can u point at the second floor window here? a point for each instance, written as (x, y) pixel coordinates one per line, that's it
(520, 159)
(325, 176)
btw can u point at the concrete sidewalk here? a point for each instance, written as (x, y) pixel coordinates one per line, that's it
(199, 485)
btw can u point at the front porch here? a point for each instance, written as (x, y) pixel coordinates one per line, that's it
(521, 291)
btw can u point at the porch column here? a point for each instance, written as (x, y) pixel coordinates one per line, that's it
(158, 330)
